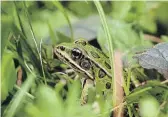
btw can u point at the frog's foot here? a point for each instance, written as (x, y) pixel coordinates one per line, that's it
(86, 85)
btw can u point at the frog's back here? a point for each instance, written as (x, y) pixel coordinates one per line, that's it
(97, 56)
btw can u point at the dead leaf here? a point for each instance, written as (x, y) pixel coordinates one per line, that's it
(155, 58)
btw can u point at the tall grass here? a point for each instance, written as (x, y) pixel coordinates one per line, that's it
(35, 42)
(110, 42)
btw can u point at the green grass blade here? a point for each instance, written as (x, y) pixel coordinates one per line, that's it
(35, 41)
(60, 7)
(19, 19)
(110, 39)
(28, 50)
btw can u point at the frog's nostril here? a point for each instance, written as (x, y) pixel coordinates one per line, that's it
(62, 48)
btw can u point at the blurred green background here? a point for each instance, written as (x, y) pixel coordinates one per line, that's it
(26, 26)
(150, 16)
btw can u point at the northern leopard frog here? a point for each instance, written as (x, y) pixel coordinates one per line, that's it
(86, 60)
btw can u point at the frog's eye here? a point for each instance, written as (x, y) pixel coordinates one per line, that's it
(81, 41)
(76, 53)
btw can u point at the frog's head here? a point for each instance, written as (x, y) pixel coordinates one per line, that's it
(69, 51)
(75, 56)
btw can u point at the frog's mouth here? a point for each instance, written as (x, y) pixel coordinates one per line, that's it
(71, 63)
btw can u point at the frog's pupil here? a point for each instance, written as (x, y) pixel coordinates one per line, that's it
(76, 53)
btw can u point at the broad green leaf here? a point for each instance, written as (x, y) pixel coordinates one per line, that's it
(142, 12)
(149, 107)
(50, 103)
(19, 97)
(73, 95)
(136, 11)
(164, 38)
(120, 9)
(8, 76)
(147, 22)
(162, 16)
(125, 37)
(81, 8)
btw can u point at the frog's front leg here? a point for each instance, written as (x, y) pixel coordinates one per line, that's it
(87, 84)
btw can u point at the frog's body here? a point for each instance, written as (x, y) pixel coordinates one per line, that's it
(87, 60)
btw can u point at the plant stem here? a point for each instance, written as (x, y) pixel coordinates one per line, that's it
(110, 45)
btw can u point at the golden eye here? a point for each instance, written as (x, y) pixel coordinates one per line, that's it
(80, 41)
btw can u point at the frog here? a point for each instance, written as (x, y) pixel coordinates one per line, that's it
(87, 61)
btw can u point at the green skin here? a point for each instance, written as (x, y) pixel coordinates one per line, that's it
(88, 61)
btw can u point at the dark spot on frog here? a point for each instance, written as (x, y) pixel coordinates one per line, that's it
(94, 54)
(85, 64)
(73, 66)
(93, 73)
(107, 65)
(108, 85)
(101, 73)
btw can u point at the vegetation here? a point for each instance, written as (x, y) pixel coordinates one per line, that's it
(133, 34)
